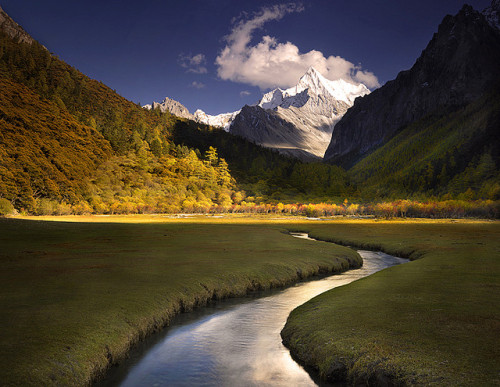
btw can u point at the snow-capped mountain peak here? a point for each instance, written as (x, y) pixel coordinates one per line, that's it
(338, 89)
(312, 80)
(316, 84)
(298, 121)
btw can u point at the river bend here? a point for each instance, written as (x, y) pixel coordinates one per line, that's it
(236, 342)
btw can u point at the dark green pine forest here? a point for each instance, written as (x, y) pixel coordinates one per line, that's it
(72, 145)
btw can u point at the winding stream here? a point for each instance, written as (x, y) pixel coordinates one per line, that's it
(235, 342)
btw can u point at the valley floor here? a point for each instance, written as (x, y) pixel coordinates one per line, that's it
(79, 291)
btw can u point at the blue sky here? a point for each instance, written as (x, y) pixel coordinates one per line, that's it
(218, 55)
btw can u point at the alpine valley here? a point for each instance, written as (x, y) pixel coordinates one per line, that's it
(116, 217)
(70, 144)
(434, 129)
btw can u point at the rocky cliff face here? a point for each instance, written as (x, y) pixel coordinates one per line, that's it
(172, 106)
(14, 30)
(459, 64)
(492, 14)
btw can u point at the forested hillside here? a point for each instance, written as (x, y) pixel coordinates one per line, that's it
(44, 151)
(70, 144)
(455, 156)
(265, 173)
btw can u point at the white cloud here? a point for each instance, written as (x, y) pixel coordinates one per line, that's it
(197, 85)
(244, 93)
(270, 64)
(193, 63)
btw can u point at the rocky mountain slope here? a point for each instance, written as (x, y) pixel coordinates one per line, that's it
(298, 121)
(492, 14)
(457, 155)
(172, 106)
(12, 29)
(460, 63)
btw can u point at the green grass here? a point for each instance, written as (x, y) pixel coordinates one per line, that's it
(76, 295)
(434, 320)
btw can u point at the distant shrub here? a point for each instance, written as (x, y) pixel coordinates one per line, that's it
(313, 211)
(82, 208)
(45, 207)
(63, 209)
(6, 207)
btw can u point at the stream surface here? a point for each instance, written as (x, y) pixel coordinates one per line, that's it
(234, 342)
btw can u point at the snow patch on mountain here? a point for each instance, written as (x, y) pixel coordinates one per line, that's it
(223, 120)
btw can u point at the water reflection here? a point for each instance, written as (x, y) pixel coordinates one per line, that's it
(239, 344)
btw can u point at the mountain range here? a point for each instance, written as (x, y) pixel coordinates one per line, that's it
(435, 127)
(297, 121)
(382, 137)
(70, 143)
(459, 64)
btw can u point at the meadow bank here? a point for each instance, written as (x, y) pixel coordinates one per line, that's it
(432, 321)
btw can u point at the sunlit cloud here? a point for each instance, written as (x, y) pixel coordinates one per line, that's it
(244, 93)
(197, 85)
(270, 63)
(193, 63)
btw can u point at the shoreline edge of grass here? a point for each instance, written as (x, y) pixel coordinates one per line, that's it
(203, 299)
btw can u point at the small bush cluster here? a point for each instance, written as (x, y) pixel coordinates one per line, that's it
(6, 207)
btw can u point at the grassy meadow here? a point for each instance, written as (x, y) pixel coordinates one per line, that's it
(79, 291)
(432, 321)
